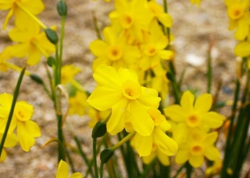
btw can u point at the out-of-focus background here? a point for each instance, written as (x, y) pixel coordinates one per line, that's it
(194, 28)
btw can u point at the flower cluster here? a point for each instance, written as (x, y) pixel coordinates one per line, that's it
(27, 130)
(193, 122)
(30, 42)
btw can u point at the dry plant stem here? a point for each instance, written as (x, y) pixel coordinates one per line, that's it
(12, 109)
(97, 29)
(209, 71)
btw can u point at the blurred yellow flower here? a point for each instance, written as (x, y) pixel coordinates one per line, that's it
(144, 144)
(11, 141)
(31, 43)
(78, 103)
(27, 130)
(239, 17)
(196, 147)
(68, 73)
(195, 115)
(121, 92)
(63, 171)
(113, 50)
(132, 19)
(15, 8)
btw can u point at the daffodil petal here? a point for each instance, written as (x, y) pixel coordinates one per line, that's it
(140, 119)
(175, 113)
(164, 159)
(98, 47)
(166, 54)
(63, 170)
(116, 121)
(34, 57)
(11, 140)
(33, 128)
(165, 19)
(212, 153)
(242, 29)
(3, 155)
(76, 175)
(25, 139)
(165, 144)
(143, 145)
(187, 101)
(242, 49)
(149, 97)
(149, 159)
(203, 103)
(212, 119)
(107, 76)
(181, 156)
(196, 161)
(211, 138)
(103, 98)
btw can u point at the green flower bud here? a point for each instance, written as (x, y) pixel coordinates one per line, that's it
(170, 76)
(106, 155)
(51, 35)
(50, 61)
(99, 130)
(62, 8)
(36, 78)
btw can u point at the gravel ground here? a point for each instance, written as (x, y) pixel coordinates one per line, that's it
(193, 30)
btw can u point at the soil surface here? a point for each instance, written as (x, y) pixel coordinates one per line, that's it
(194, 29)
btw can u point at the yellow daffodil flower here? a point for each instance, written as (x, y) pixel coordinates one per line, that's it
(68, 73)
(31, 43)
(15, 8)
(121, 92)
(214, 169)
(78, 103)
(196, 114)
(63, 171)
(27, 130)
(239, 17)
(154, 50)
(132, 19)
(196, 147)
(11, 141)
(113, 50)
(144, 144)
(159, 14)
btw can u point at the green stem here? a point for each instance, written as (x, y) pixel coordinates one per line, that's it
(189, 169)
(12, 109)
(70, 160)
(94, 158)
(125, 139)
(97, 29)
(101, 170)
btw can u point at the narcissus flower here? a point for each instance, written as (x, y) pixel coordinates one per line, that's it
(68, 73)
(132, 18)
(11, 141)
(159, 14)
(239, 17)
(121, 92)
(145, 144)
(196, 147)
(113, 50)
(31, 43)
(78, 103)
(63, 171)
(153, 51)
(196, 114)
(14, 6)
(27, 130)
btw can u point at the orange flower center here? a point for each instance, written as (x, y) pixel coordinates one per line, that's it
(193, 121)
(150, 50)
(197, 150)
(126, 21)
(115, 53)
(131, 89)
(236, 11)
